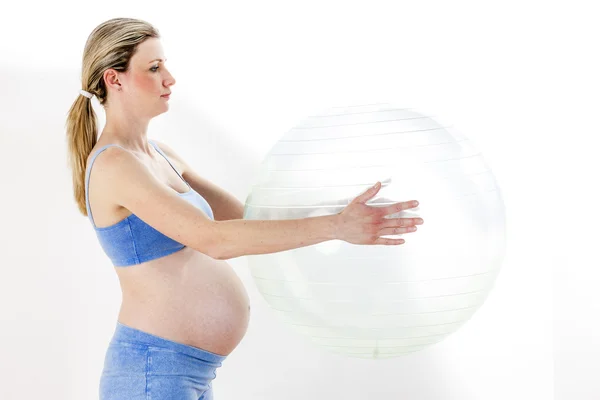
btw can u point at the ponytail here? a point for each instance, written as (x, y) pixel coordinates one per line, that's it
(82, 135)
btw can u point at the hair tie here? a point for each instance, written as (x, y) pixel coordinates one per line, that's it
(86, 94)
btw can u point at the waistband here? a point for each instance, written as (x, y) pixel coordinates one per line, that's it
(124, 333)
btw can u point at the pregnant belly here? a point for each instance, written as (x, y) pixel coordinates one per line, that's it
(186, 297)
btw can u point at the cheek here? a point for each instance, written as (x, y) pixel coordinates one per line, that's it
(146, 83)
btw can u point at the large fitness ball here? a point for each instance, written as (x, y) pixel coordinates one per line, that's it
(376, 301)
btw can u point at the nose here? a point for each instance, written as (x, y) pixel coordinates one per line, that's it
(169, 80)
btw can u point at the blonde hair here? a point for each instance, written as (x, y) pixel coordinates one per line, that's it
(110, 45)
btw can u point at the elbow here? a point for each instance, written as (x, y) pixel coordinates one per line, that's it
(211, 250)
(212, 245)
(218, 254)
(221, 257)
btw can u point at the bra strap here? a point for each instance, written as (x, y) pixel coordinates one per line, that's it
(167, 158)
(87, 179)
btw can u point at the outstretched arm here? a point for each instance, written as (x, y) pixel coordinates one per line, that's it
(135, 188)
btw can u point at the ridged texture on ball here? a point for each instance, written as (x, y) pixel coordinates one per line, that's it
(379, 301)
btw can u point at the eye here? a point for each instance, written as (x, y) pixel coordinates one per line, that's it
(154, 69)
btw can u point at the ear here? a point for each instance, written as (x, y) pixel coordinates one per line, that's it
(111, 79)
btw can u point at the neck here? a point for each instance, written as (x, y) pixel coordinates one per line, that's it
(130, 133)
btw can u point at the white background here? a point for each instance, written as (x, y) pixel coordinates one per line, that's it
(519, 78)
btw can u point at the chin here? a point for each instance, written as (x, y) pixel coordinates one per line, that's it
(163, 109)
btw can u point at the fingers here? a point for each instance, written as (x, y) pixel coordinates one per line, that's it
(397, 230)
(389, 242)
(372, 191)
(401, 222)
(396, 226)
(405, 205)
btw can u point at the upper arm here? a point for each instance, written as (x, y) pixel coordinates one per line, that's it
(133, 187)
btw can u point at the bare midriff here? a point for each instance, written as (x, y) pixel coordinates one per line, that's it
(186, 297)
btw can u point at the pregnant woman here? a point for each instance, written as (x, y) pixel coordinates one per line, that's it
(168, 231)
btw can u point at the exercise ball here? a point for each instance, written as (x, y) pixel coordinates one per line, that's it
(378, 301)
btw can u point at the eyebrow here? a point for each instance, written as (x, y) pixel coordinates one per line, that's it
(158, 59)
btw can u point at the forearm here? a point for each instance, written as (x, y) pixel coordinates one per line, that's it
(235, 238)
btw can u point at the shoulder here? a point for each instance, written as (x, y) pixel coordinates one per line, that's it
(171, 153)
(112, 161)
(105, 156)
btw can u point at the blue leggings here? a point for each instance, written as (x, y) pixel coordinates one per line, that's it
(142, 366)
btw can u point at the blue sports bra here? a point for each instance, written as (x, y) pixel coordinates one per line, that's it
(132, 241)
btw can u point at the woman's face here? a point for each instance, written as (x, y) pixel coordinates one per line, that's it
(146, 81)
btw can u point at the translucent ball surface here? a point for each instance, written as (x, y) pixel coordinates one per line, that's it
(376, 301)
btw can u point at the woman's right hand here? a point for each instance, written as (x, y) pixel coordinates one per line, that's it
(359, 223)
